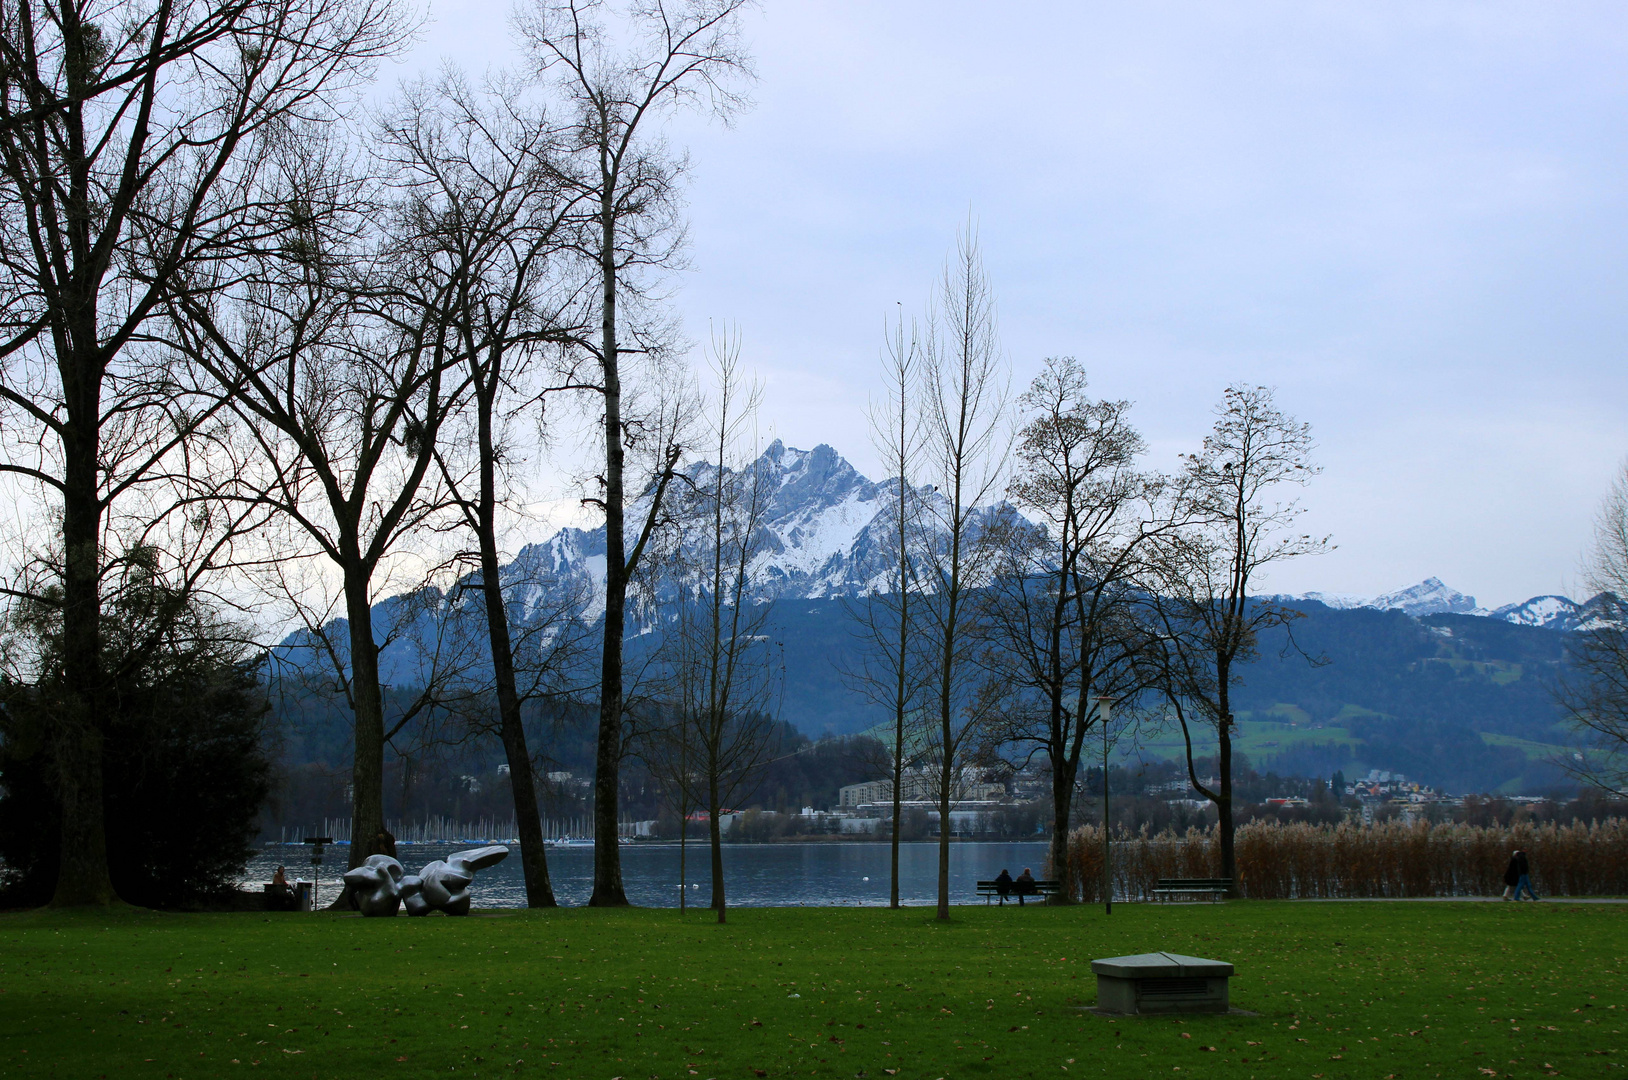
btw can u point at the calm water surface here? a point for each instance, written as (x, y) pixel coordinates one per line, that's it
(756, 875)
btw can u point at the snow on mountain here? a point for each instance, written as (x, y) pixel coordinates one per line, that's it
(1429, 597)
(1338, 601)
(1550, 612)
(824, 534)
(1432, 597)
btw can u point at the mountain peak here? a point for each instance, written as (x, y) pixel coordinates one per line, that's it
(1429, 597)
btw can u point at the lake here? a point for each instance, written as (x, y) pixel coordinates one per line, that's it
(756, 875)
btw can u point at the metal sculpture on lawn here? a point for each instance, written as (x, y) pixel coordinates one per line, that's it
(380, 886)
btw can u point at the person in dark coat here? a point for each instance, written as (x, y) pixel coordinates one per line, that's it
(1512, 877)
(1003, 884)
(1024, 885)
(1524, 878)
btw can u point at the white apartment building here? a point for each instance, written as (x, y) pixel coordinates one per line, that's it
(921, 785)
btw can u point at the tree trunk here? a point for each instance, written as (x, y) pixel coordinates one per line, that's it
(522, 785)
(367, 768)
(898, 799)
(1223, 806)
(83, 876)
(717, 838)
(944, 838)
(683, 843)
(1062, 804)
(608, 891)
(1229, 860)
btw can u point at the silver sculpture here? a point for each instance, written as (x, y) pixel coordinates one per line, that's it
(380, 885)
(375, 886)
(444, 886)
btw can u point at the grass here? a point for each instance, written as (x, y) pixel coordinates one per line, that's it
(1259, 738)
(1369, 990)
(1534, 751)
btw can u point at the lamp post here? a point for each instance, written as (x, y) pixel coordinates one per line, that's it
(1104, 711)
(317, 843)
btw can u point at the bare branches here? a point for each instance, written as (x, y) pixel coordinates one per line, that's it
(1200, 575)
(132, 140)
(1593, 688)
(718, 651)
(618, 82)
(964, 381)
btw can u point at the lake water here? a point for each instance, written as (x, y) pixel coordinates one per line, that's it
(756, 875)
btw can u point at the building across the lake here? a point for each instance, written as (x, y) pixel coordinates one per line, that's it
(921, 785)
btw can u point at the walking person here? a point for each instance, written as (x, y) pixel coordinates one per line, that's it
(1512, 877)
(1524, 880)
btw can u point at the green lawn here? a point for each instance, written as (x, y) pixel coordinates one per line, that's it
(1361, 990)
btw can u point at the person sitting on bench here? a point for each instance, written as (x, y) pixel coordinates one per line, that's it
(281, 892)
(1024, 885)
(1003, 884)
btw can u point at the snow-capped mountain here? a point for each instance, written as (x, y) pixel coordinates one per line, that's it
(1549, 612)
(819, 536)
(1432, 597)
(1428, 597)
(825, 534)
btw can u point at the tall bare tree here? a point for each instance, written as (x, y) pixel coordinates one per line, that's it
(1593, 687)
(1063, 617)
(482, 166)
(963, 410)
(891, 671)
(722, 652)
(675, 54)
(130, 138)
(1201, 576)
(345, 358)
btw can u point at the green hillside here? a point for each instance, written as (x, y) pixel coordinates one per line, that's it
(1459, 702)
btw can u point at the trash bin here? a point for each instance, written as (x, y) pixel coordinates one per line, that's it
(302, 896)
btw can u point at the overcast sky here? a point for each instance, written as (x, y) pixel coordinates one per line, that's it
(1409, 218)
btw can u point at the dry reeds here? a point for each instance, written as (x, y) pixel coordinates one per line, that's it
(1392, 859)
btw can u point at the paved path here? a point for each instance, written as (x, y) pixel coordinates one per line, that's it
(1404, 900)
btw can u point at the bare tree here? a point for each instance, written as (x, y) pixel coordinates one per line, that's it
(1593, 687)
(964, 405)
(130, 136)
(1063, 617)
(890, 671)
(722, 654)
(677, 54)
(345, 359)
(1200, 579)
(482, 167)
(668, 751)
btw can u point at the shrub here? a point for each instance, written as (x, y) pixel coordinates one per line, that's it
(1390, 859)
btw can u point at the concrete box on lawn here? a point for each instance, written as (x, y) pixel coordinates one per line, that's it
(1161, 983)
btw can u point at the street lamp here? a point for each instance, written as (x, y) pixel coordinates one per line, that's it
(1104, 711)
(317, 843)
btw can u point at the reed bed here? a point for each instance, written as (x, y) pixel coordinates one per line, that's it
(1349, 860)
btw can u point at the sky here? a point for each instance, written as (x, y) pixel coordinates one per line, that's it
(1408, 218)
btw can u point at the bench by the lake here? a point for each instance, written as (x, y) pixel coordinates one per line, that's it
(1018, 890)
(1213, 887)
(1161, 983)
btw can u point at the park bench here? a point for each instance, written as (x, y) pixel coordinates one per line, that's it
(1042, 889)
(1215, 887)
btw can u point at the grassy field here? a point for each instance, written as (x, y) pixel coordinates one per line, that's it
(1360, 990)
